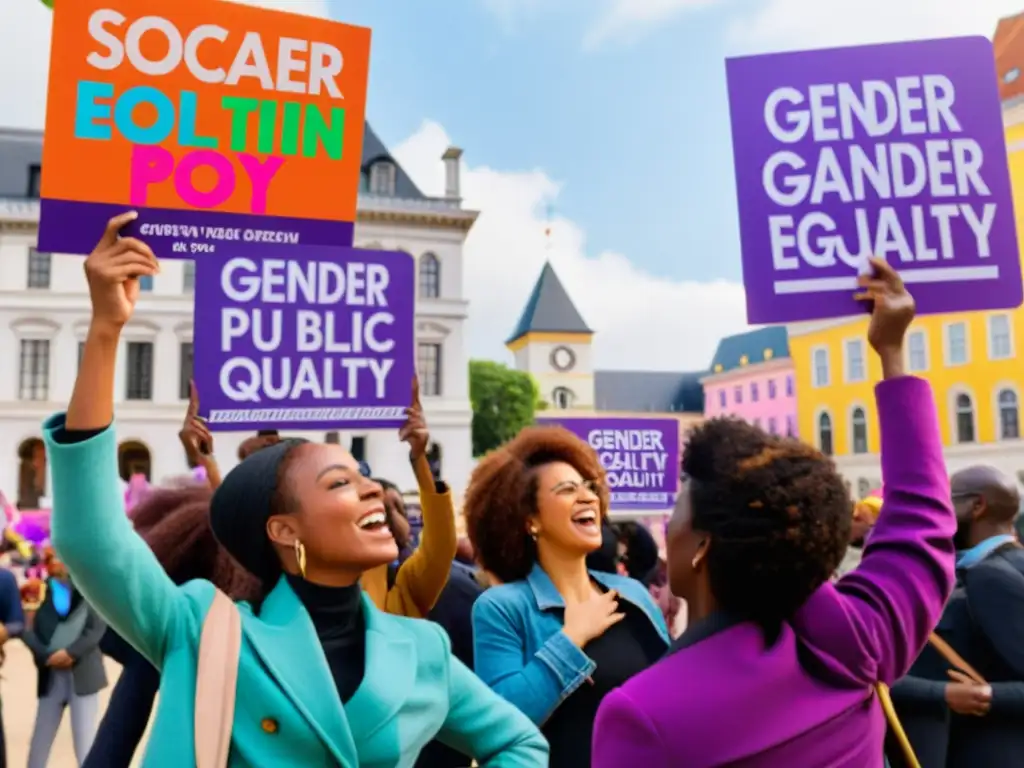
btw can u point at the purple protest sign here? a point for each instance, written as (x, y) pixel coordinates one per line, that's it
(895, 151)
(640, 456)
(304, 338)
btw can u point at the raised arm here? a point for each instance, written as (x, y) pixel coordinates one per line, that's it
(114, 569)
(197, 440)
(535, 685)
(422, 577)
(877, 618)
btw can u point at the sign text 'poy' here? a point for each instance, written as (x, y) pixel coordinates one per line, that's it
(895, 151)
(315, 338)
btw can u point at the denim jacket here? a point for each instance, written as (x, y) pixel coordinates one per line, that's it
(520, 650)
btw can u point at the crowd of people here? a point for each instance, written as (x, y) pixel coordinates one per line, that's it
(817, 632)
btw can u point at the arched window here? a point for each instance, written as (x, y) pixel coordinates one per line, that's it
(31, 473)
(1009, 415)
(382, 178)
(964, 419)
(430, 276)
(825, 434)
(134, 458)
(562, 398)
(859, 430)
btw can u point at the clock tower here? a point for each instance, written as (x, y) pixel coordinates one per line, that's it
(553, 343)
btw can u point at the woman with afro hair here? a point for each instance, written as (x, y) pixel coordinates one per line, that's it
(779, 666)
(554, 637)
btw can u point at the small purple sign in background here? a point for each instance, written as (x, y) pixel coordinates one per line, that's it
(71, 226)
(304, 338)
(895, 151)
(640, 456)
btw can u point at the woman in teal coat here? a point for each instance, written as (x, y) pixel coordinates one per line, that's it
(324, 678)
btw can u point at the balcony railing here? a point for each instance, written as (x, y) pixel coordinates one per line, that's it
(19, 209)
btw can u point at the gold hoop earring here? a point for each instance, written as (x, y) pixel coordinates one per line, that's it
(300, 557)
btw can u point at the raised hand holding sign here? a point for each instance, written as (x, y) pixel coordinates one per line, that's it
(113, 270)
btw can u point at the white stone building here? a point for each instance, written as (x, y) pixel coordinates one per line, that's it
(44, 314)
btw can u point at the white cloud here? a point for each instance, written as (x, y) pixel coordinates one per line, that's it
(25, 55)
(628, 19)
(641, 321)
(793, 24)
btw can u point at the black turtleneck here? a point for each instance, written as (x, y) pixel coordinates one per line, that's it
(337, 614)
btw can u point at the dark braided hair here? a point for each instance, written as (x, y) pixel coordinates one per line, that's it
(175, 523)
(778, 515)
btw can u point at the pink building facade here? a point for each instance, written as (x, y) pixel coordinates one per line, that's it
(752, 378)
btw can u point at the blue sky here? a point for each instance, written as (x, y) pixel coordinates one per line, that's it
(613, 110)
(637, 133)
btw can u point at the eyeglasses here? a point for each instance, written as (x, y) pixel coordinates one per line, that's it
(572, 488)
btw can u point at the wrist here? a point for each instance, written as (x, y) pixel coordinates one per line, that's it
(574, 638)
(892, 362)
(104, 331)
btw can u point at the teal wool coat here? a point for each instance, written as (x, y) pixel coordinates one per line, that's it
(287, 711)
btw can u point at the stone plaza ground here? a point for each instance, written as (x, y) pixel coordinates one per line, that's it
(18, 691)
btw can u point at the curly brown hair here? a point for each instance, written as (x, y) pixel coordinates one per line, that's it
(175, 523)
(777, 512)
(257, 442)
(502, 495)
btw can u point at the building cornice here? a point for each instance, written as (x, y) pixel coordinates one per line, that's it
(22, 215)
(794, 330)
(549, 337)
(745, 371)
(1013, 112)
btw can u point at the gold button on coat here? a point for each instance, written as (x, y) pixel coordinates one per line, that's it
(269, 725)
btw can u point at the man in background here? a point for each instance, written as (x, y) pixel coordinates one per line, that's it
(951, 721)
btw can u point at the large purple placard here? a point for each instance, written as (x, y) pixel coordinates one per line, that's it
(71, 226)
(304, 338)
(640, 456)
(895, 151)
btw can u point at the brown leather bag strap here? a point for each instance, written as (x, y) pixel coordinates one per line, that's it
(216, 676)
(955, 659)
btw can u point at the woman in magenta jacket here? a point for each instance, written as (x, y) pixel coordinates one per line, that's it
(778, 666)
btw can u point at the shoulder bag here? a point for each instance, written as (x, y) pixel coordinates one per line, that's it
(216, 676)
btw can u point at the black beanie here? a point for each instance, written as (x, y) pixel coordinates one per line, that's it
(241, 506)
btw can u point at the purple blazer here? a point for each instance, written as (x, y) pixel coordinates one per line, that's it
(720, 697)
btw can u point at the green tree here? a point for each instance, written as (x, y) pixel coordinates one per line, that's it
(504, 401)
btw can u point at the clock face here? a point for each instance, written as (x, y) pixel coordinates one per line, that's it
(563, 358)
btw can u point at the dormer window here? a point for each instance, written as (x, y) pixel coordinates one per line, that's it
(382, 178)
(35, 179)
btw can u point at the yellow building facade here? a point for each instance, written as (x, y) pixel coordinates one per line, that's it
(971, 360)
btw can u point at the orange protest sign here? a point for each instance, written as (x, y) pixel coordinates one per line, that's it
(214, 120)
